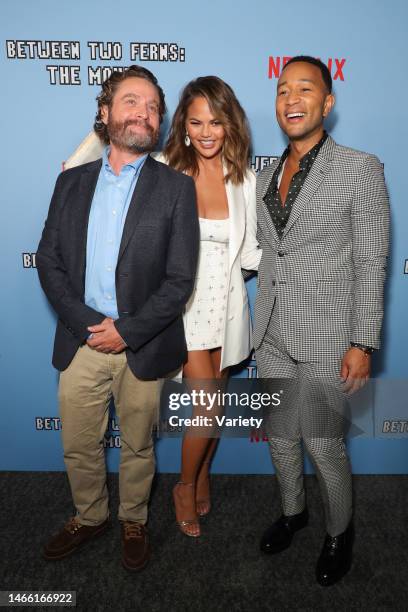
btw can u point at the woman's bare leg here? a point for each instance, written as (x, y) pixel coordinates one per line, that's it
(203, 503)
(199, 370)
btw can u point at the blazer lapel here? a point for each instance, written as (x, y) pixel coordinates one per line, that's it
(320, 168)
(265, 211)
(139, 202)
(236, 207)
(86, 190)
(271, 169)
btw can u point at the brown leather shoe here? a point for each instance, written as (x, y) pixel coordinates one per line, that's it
(71, 538)
(135, 546)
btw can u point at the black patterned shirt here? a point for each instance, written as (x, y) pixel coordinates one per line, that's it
(280, 213)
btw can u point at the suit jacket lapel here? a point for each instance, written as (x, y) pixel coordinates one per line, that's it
(86, 190)
(320, 168)
(265, 211)
(271, 169)
(139, 202)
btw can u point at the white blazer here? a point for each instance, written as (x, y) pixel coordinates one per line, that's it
(243, 253)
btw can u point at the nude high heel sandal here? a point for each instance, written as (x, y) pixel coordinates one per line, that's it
(185, 525)
(203, 505)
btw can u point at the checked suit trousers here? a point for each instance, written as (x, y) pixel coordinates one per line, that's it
(313, 409)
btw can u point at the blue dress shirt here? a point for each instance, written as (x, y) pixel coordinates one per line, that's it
(107, 217)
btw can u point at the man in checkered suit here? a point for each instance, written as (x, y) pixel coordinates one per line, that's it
(323, 221)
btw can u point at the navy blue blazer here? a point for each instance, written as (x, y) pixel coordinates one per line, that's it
(155, 270)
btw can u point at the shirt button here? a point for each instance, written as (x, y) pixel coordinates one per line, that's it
(273, 283)
(109, 269)
(281, 253)
(110, 241)
(113, 212)
(109, 297)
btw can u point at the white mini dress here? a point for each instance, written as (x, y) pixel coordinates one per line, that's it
(204, 317)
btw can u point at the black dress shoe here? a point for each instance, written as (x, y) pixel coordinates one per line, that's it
(279, 535)
(335, 559)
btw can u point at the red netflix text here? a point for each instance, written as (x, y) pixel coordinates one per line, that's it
(276, 65)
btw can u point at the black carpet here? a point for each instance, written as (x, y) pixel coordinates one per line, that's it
(222, 570)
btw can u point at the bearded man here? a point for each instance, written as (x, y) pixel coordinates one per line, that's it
(117, 261)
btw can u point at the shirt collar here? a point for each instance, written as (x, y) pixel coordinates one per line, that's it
(136, 164)
(307, 160)
(307, 157)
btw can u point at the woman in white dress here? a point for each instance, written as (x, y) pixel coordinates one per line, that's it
(209, 140)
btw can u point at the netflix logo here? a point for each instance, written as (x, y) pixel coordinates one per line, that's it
(277, 64)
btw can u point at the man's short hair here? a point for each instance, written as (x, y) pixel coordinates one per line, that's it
(109, 88)
(326, 76)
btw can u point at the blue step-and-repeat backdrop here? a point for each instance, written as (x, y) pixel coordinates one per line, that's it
(54, 57)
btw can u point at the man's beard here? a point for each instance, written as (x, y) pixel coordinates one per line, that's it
(127, 140)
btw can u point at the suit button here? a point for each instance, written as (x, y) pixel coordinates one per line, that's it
(273, 283)
(281, 253)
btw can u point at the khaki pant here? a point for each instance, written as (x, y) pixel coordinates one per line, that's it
(85, 390)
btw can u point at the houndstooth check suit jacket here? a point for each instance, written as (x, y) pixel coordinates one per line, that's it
(328, 269)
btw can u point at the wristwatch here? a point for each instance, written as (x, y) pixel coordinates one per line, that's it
(368, 350)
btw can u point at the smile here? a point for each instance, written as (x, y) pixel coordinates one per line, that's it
(142, 124)
(295, 115)
(207, 143)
